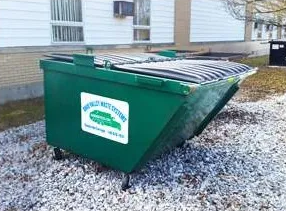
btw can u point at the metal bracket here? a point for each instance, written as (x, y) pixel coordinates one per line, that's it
(107, 64)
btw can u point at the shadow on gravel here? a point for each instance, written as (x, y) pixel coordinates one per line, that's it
(237, 116)
(195, 167)
(85, 164)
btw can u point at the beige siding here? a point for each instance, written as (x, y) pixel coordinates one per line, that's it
(23, 68)
(20, 68)
(182, 23)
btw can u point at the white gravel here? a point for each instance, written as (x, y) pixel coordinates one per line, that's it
(238, 163)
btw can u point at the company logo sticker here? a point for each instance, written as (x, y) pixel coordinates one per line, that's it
(105, 117)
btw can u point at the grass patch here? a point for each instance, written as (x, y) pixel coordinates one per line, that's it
(267, 82)
(261, 61)
(19, 113)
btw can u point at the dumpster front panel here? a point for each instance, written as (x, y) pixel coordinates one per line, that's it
(149, 112)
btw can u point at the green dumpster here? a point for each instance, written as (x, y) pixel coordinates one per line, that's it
(123, 110)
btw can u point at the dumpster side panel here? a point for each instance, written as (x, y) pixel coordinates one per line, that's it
(194, 115)
(149, 112)
(219, 106)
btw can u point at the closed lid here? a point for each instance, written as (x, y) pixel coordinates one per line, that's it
(195, 71)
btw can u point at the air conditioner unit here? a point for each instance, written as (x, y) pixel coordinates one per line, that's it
(123, 9)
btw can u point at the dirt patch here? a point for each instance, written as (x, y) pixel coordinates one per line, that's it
(19, 113)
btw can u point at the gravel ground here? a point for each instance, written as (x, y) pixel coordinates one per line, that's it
(238, 163)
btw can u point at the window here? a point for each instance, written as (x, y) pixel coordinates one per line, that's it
(260, 27)
(259, 35)
(283, 32)
(141, 21)
(258, 30)
(269, 30)
(269, 27)
(67, 25)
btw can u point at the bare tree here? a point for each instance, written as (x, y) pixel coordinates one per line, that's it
(262, 11)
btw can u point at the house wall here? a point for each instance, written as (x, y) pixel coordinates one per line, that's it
(24, 23)
(210, 22)
(257, 31)
(25, 36)
(101, 28)
(275, 33)
(20, 75)
(182, 23)
(162, 21)
(27, 23)
(283, 32)
(193, 23)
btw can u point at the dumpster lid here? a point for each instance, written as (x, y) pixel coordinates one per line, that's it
(195, 71)
(277, 41)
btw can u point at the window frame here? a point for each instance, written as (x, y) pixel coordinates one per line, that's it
(143, 27)
(67, 23)
(258, 30)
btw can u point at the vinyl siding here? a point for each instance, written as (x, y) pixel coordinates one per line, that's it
(27, 23)
(102, 28)
(210, 22)
(24, 23)
(162, 21)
